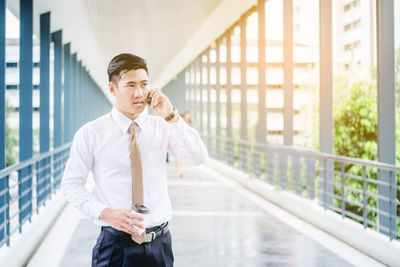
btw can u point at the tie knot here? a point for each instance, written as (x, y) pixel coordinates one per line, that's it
(132, 128)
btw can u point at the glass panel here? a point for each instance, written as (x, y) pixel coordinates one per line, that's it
(306, 73)
(274, 68)
(213, 75)
(235, 45)
(252, 114)
(354, 79)
(235, 76)
(222, 75)
(197, 70)
(223, 111)
(222, 50)
(252, 76)
(274, 99)
(204, 75)
(397, 75)
(252, 37)
(236, 98)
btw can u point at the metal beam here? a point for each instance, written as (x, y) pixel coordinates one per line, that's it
(74, 95)
(209, 101)
(261, 124)
(67, 93)
(218, 97)
(2, 84)
(79, 94)
(326, 99)
(243, 92)
(386, 115)
(198, 92)
(4, 198)
(25, 111)
(288, 71)
(229, 146)
(44, 82)
(57, 39)
(25, 76)
(201, 64)
(243, 84)
(228, 84)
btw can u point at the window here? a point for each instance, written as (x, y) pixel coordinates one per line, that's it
(351, 5)
(352, 25)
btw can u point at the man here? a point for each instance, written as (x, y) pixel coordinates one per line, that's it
(125, 150)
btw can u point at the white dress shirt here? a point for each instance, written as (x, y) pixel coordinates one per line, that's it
(102, 146)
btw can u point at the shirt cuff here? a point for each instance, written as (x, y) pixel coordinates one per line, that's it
(180, 123)
(96, 209)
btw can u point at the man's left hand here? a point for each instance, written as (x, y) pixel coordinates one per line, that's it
(160, 103)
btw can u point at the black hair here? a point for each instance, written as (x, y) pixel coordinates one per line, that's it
(123, 63)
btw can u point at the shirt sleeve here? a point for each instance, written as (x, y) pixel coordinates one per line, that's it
(76, 171)
(185, 143)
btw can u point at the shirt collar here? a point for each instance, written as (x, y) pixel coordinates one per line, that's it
(124, 122)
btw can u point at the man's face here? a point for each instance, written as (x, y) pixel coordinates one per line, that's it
(131, 92)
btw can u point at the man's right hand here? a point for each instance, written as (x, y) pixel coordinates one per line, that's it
(122, 219)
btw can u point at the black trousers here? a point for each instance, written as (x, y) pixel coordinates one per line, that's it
(111, 250)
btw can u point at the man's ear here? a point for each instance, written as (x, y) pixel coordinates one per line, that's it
(112, 88)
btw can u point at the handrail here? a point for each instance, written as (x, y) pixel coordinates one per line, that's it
(366, 197)
(26, 163)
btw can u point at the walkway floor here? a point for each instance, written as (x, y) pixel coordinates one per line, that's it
(215, 225)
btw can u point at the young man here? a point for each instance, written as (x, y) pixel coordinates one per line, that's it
(125, 150)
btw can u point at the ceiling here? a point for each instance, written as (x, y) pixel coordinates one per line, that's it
(100, 29)
(169, 34)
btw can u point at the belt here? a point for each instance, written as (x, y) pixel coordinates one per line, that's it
(151, 233)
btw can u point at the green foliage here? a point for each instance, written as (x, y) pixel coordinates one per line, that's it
(355, 135)
(355, 131)
(355, 120)
(397, 76)
(11, 140)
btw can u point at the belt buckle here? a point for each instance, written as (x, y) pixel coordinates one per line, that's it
(150, 236)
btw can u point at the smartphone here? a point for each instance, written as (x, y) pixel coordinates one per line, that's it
(148, 99)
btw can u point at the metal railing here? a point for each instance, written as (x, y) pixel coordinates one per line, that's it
(26, 186)
(367, 192)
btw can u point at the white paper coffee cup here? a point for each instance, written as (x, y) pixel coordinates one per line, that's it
(145, 213)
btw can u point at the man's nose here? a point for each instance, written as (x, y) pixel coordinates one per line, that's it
(138, 93)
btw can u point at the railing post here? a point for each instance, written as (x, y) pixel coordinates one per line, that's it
(323, 191)
(310, 173)
(296, 173)
(283, 170)
(365, 200)
(342, 190)
(392, 205)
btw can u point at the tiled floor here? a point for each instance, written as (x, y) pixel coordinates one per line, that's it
(213, 225)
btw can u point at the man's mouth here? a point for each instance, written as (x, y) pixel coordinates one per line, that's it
(138, 102)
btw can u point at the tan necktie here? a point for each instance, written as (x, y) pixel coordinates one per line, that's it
(137, 178)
